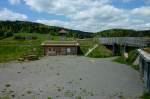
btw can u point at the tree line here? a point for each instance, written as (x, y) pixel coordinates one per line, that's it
(123, 33)
(8, 28)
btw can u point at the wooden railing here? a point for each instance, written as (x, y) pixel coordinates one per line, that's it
(129, 41)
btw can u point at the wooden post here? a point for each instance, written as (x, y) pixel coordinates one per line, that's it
(124, 49)
(114, 49)
(76, 48)
(140, 65)
(148, 76)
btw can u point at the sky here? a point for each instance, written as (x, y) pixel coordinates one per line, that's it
(84, 15)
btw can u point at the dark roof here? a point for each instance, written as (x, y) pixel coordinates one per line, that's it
(63, 31)
(60, 43)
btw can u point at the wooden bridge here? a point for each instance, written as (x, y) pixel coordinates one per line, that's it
(125, 42)
(128, 41)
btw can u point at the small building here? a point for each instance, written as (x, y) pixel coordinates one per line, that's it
(53, 48)
(62, 33)
(61, 47)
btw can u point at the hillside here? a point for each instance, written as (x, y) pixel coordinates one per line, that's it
(123, 33)
(8, 28)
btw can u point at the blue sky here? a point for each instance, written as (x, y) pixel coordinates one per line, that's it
(85, 15)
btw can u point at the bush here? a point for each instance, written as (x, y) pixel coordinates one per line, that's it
(129, 61)
(9, 34)
(5, 35)
(145, 95)
(19, 37)
(132, 56)
(49, 98)
(1, 34)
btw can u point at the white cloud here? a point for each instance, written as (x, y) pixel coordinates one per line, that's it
(54, 22)
(91, 15)
(86, 15)
(6, 14)
(147, 1)
(127, 1)
(143, 11)
(13, 2)
(63, 6)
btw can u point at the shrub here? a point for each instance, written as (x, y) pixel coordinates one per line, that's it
(49, 98)
(145, 95)
(8, 34)
(19, 37)
(129, 61)
(132, 56)
(1, 34)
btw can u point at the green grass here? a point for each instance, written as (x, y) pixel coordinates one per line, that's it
(11, 49)
(12, 52)
(129, 61)
(85, 45)
(49, 98)
(5, 97)
(100, 52)
(145, 95)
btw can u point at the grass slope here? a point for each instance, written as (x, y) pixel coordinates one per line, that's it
(100, 52)
(129, 61)
(11, 49)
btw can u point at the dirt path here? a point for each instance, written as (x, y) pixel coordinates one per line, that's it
(69, 77)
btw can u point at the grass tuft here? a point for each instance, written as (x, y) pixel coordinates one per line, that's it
(49, 98)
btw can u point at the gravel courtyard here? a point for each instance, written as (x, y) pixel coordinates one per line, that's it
(69, 77)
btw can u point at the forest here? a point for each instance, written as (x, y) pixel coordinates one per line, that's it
(123, 33)
(9, 28)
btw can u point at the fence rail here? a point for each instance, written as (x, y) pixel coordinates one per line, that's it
(144, 62)
(129, 41)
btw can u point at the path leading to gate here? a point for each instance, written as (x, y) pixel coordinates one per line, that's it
(67, 77)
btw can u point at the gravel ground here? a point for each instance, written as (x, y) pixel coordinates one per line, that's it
(69, 77)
